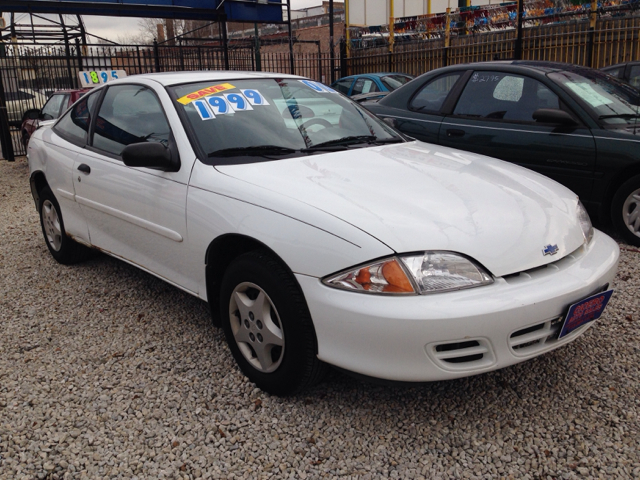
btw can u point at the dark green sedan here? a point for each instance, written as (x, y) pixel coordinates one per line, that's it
(576, 125)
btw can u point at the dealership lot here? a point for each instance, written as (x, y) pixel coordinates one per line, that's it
(109, 371)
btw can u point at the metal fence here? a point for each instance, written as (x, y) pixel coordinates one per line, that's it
(29, 73)
(612, 40)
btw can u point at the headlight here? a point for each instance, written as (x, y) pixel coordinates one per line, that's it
(585, 222)
(384, 276)
(428, 272)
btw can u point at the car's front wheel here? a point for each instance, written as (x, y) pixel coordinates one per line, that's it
(268, 326)
(63, 248)
(625, 210)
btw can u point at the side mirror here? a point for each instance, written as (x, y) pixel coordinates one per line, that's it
(555, 116)
(32, 114)
(150, 155)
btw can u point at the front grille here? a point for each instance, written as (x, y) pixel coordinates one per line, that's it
(462, 355)
(537, 337)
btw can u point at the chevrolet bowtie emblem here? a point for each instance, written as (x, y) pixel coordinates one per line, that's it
(550, 250)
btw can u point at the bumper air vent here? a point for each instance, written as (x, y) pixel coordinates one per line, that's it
(530, 340)
(462, 355)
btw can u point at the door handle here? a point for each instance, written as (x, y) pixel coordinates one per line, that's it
(84, 168)
(454, 132)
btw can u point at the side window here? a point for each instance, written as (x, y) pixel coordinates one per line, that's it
(51, 109)
(75, 124)
(364, 85)
(614, 72)
(343, 85)
(129, 114)
(504, 96)
(634, 76)
(431, 97)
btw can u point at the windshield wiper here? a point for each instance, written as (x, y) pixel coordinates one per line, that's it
(253, 150)
(353, 140)
(626, 116)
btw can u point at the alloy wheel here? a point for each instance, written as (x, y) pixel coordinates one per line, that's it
(256, 327)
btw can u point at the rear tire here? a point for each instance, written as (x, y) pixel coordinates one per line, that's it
(64, 249)
(268, 326)
(625, 211)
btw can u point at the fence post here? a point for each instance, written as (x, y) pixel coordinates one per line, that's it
(447, 37)
(79, 54)
(139, 60)
(67, 52)
(291, 59)
(257, 48)
(5, 131)
(225, 42)
(591, 33)
(343, 58)
(319, 61)
(518, 46)
(156, 54)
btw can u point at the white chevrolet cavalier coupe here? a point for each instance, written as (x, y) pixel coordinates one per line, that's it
(318, 234)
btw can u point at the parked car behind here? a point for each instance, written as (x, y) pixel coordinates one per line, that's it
(317, 233)
(370, 83)
(20, 100)
(628, 72)
(57, 104)
(576, 125)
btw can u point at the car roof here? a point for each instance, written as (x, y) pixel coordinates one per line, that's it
(176, 78)
(375, 74)
(71, 90)
(540, 66)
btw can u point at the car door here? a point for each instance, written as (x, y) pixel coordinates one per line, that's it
(420, 118)
(493, 116)
(137, 214)
(65, 141)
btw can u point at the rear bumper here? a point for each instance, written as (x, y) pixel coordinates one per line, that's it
(457, 334)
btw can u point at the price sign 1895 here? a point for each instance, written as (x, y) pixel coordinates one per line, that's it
(93, 78)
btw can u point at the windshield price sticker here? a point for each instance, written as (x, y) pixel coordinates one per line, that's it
(590, 95)
(238, 101)
(317, 86)
(254, 97)
(585, 311)
(227, 103)
(93, 78)
(204, 92)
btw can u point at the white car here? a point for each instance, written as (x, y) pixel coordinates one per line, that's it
(320, 241)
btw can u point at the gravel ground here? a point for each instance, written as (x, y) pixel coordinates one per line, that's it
(107, 372)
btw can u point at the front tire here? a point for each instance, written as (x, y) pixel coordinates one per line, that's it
(625, 211)
(64, 249)
(268, 326)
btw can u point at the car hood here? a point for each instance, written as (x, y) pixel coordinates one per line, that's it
(417, 196)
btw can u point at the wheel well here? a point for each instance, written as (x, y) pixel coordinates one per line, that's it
(220, 253)
(38, 182)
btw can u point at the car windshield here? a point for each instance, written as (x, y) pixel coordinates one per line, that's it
(268, 118)
(394, 81)
(612, 102)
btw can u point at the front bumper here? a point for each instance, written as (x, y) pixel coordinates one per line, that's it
(457, 334)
